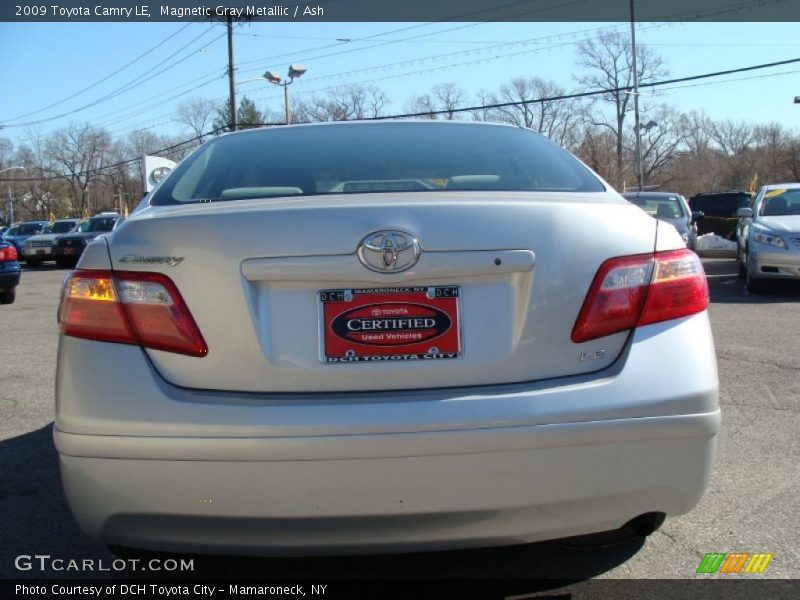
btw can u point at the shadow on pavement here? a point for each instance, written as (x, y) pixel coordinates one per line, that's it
(726, 286)
(47, 266)
(36, 520)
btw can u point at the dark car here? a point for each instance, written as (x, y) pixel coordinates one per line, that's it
(670, 207)
(19, 232)
(68, 248)
(9, 272)
(720, 209)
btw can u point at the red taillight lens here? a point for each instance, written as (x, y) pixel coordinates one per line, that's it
(129, 308)
(638, 290)
(679, 288)
(8, 253)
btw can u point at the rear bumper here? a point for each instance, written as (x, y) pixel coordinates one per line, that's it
(67, 251)
(9, 278)
(150, 465)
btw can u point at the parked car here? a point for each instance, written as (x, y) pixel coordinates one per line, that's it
(671, 208)
(19, 232)
(9, 272)
(67, 249)
(2, 231)
(38, 248)
(769, 241)
(719, 210)
(258, 363)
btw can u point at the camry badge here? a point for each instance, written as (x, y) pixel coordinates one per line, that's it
(152, 260)
(389, 251)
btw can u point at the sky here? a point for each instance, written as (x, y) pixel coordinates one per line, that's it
(49, 69)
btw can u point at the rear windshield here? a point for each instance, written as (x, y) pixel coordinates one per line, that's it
(720, 205)
(101, 224)
(383, 157)
(25, 229)
(660, 207)
(60, 227)
(777, 203)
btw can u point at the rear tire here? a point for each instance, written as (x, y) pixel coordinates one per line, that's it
(33, 262)
(8, 296)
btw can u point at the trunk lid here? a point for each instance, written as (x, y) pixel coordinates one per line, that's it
(252, 271)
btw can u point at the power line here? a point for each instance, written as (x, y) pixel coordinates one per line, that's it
(576, 95)
(569, 36)
(102, 79)
(683, 17)
(586, 94)
(133, 83)
(386, 43)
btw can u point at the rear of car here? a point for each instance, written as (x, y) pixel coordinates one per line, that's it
(371, 337)
(9, 272)
(719, 210)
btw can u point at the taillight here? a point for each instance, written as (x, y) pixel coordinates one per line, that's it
(631, 291)
(8, 253)
(129, 307)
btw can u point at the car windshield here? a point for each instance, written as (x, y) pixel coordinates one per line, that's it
(60, 227)
(25, 229)
(660, 207)
(101, 224)
(781, 202)
(720, 205)
(383, 157)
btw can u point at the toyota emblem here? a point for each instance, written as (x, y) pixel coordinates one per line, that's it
(389, 251)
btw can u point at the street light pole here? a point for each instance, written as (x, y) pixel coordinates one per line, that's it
(636, 127)
(231, 69)
(10, 196)
(275, 79)
(286, 103)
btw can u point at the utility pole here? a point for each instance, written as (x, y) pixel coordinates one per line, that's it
(231, 69)
(636, 127)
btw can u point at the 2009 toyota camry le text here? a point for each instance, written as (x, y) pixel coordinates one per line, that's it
(382, 336)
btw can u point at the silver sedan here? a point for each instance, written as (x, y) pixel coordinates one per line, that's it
(386, 336)
(769, 236)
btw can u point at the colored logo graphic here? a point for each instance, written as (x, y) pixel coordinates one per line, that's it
(734, 562)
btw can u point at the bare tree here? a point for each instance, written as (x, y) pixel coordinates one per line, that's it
(38, 195)
(424, 103)
(448, 98)
(343, 103)
(443, 98)
(732, 137)
(608, 63)
(664, 143)
(75, 153)
(197, 114)
(557, 119)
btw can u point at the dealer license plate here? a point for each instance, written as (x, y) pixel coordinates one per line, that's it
(389, 324)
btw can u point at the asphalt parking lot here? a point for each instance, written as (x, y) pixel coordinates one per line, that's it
(751, 504)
